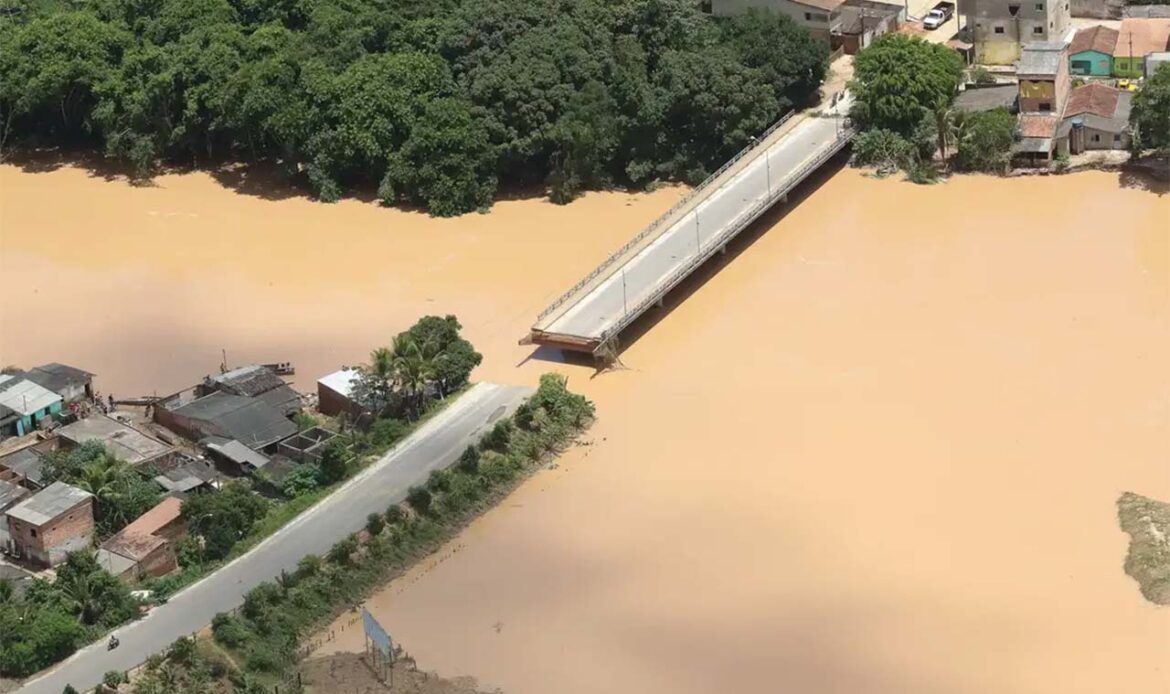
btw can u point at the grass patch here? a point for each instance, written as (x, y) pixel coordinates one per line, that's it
(1148, 562)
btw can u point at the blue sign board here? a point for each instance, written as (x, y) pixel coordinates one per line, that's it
(376, 633)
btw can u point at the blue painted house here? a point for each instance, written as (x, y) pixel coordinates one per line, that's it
(1091, 52)
(24, 404)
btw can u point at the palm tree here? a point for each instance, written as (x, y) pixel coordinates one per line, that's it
(414, 366)
(380, 376)
(943, 114)
(83, 599)
(102, 478)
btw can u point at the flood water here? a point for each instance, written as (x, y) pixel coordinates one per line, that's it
(877, 451)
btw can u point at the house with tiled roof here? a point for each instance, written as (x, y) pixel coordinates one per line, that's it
(1091, 51)
(1137, 39)
(1096, 117)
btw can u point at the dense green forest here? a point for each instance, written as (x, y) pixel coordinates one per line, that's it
(437, 103)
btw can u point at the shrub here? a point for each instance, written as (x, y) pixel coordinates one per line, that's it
(497, 439)
(469, 460)
(229, 630)
(263, 657)
(304, 421)
(309, 565)
(419, 499)
(182, 651)
(375, 524)
(342, 552)
(302, 480)
(981, 76)
(395, 514)
(884, 150)
(388, 431)
(113, 678)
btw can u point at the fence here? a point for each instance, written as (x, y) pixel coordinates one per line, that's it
(653, 226)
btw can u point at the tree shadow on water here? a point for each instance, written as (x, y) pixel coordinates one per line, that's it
(1144, 179)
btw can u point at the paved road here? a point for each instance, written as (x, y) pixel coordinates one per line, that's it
(641, 275)
(436, 444)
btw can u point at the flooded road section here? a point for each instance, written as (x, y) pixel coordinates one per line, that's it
(877, 451)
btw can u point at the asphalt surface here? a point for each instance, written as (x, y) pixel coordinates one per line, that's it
(437, 444)
(596, 311)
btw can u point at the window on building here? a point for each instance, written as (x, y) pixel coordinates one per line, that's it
(32, 532)
(1116, 138)
(1045, 106)
(1013, 10)
(705, 6)
(1039, 7)
(1081, 67)
(1037, 30)
(1096, 138)
(999, 30)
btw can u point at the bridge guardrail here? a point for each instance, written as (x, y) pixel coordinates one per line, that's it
(729, 231)
(661, 219)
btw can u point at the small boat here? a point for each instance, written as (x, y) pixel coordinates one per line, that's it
(283, 368)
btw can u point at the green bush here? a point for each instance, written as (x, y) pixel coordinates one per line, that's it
(341, 553)
(375, 524)
(419, 499)
(113, 678)
(388, 431)
(884, 150)
(469, 460)
(229, 630)
(985, 141)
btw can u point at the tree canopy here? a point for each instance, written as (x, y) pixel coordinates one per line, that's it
(433, 102)
(1150, 115)
(899, 80)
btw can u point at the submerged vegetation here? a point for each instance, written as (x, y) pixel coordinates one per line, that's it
(433, 102)
(1147, 522)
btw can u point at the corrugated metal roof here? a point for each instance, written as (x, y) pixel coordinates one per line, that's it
(10, 494)
(27, 462)
(122, 441)
(238, 453)
(48, 503)
(249, 420)
(57, 377)
(340, 382)
(25, 397)
(1042, 58)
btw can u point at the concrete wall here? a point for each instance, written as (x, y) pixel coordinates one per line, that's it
(820, 23)
(330, 402)
(1104, 140)
(47, 545)
(1129, 67)
(1035, 20)
(1097, 9)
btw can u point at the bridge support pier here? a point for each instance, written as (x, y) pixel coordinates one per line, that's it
(661, 302)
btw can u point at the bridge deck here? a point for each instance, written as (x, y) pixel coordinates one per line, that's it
(637, 276)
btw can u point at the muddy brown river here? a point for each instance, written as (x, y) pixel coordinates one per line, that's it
(876, 452)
